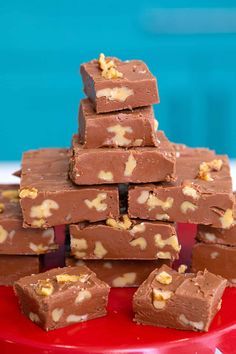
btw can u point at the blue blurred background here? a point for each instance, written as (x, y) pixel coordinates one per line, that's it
(189, 45)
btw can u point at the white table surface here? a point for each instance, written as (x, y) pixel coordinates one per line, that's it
(7, 168)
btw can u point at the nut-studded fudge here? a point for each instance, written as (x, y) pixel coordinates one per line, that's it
(62, 296)
(14, 267)
(218, 259)
(124, 238)
(120, 273)
(14, 239)
(116, 129)
(113, 85)
(134, 165)
(181, 301)
(49, 198)
(202, 193)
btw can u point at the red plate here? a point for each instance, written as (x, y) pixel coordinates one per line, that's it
(116, 333)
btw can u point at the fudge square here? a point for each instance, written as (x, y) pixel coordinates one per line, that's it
(181, 301)
(202, 193)
(14, 239)
(62, 296)
(116, 129)
(120, 273)
(217, 258)
(124, 238)
(113, 85)
(134, 165)
(14, 267)
(49, 198)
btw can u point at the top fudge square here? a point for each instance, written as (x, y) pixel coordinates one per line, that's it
(113, 85)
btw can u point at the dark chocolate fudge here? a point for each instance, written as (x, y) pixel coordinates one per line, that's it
(14, 239)
(124, 239)
(49, 198)
(182, 301)
(116, 129)
(120, 273)
(62, 296)
(134, 165)
(217, 258)
(202, 193)
(113, 85)
(14, 267)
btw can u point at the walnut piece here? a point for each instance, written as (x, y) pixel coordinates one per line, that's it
(106, 176)
(164, 278)
(56, 314)
(191, 192)
(44, 287)
(43, 210)
(186, 206)
(159, 298)
(28, 193)
(39, 249)
(97, 202)
(11, 194)
(197, 325)
(67, 278)
(76, 318)
(162, 217)
(119, 94)
(126, 279)
(143, 197)
(123, 225)
(99, 250)
(140, 241)
(164, 255)
(130, 166)
(154, 202)
(119, 137)
(83, 295)
(210, 237)
(3, 234)
(34, 317)
(108, 68)
(227, 219)
(2, 208)
(182, 268)
(138, 228)
(206, 167)
(170, 241)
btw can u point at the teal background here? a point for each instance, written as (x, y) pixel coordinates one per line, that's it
(42, 44)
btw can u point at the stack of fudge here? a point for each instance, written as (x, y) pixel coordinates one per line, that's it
(21, 250)
(120, 189)
(122, 185)
(118, 144)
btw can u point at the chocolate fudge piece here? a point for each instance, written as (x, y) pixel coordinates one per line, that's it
(218, 259)
(181, 301)
(14, 239)
(127, 84)
(124, 239)
(62, 296)
(14, 267)
(202, 193)
(49, 198)
(116, 129)
(120, 273)
(134, 165)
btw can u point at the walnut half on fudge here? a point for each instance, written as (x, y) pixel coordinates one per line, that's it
(62, 296)
(182, 301)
